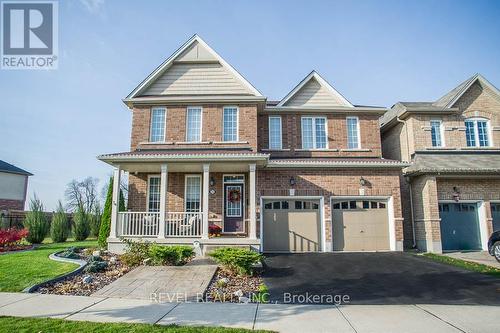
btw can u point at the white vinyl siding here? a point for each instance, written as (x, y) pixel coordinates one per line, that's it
(437, 133)
(353, 141)
(158, 119)
(275, 133)
(193, 193)
(154, 194)
(193, 124)
(477, 133)
(314, 134)
(230, 124)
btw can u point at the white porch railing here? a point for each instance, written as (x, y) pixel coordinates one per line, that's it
(146, 224)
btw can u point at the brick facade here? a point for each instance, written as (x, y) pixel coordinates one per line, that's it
(7, 204)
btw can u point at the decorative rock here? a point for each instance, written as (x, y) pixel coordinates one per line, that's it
(146, 262)
(96, 253)
(224, 280)
(243, 299)
(112, 260)
(87, 279)
(238, 293)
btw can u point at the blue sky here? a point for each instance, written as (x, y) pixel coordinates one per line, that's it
(55, 123)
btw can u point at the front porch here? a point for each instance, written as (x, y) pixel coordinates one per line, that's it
(181, 202)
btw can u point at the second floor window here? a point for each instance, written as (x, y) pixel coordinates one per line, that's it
(230, 124)
(436, 133)
(314, 133)
(275, 133)
(193, 124)
(157, 125)
(353, 133)
(477, 133)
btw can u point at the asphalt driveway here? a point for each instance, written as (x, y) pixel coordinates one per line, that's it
(375, 278)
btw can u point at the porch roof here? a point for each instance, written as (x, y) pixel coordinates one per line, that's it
(479, 162)
(336, 162)
(189, 160)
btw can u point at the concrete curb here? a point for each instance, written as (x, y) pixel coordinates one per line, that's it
(53, 256)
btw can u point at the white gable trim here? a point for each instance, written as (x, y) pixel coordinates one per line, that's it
(167, 63)
(321, 81)
(477, 77)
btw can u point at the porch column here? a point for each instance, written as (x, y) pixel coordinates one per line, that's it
(204, 231)
(115, 202)
(163, 200)
(253, 220)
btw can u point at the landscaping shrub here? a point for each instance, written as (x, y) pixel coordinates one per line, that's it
(135, 252)
(11, 237)
(236, 260)
(170, 255)
(96, 264)
(262, 295)
(214, 230)
(95, 221)
(105, 226)
(81, 227)
(36, 222)
(69, 253)
(59, 228)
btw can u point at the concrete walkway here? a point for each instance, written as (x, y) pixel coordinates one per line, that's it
(277, 317)
(164, 283)
(480, 257)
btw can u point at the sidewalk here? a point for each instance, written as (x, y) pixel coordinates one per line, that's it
(282, 317)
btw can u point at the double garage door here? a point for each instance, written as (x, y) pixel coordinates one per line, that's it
(294, 225)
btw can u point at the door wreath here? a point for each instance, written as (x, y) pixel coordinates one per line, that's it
(234, 196)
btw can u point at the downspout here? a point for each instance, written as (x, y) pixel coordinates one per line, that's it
(414, 245)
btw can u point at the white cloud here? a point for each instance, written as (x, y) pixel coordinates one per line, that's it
(93, 6)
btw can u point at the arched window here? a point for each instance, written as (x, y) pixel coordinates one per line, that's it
(477, 132)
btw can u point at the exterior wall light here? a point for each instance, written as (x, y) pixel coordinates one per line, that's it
(362, 181)
(212, 181)
(292, 181)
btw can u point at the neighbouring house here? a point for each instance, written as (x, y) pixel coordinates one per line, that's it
(451, 191)
(302, 174)
(13, 186)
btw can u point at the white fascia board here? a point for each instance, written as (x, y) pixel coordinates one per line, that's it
(167, 63)
(322, 81)
(199, 98)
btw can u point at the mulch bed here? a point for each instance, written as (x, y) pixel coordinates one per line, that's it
(74, 285)
(220, 292)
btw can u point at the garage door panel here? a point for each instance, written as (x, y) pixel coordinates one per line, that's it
(292, 226)
(360, 225)
(495, 214)
(459, 226)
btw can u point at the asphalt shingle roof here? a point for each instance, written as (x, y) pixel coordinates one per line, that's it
(455, 162)
(7, 167)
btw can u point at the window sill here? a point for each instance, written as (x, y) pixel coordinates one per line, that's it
(230, 142)
(157, 143)
(355, 150)
(325, 149)
(269, 149)
(440, 148)
(479, 148)
(192, 143)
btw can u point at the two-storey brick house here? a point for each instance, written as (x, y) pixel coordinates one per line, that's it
(208, 149)
(451, 190)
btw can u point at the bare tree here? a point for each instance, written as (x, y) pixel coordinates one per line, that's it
(82, 194)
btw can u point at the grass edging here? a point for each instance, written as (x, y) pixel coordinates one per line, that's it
(81, 265)
(468, 265)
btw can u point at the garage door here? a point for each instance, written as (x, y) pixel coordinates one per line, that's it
(495, 214)
(459, 226)
(360, 225)
(291, 226)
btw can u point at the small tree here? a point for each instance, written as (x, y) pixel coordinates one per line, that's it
(95, 220)
(81, 224)
(105, 227)
(36, 222)
(59, 228)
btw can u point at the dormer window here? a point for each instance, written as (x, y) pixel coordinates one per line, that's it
(314, 133)
(437, 133)
(477, 132)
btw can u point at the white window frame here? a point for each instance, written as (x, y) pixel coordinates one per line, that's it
(281, 133)
(187, 122)
(357, 131)
(313, 131)
(237, 122)
(164, 123)
(476, 132)
(185, 192)
(148, 190)
(441, 132)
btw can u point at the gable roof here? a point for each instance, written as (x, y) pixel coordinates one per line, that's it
(9, 168)
(195, 51)
(314, 91)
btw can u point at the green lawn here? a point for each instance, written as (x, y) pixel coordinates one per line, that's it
(46, 325)
(24, 269)
(471, 266)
